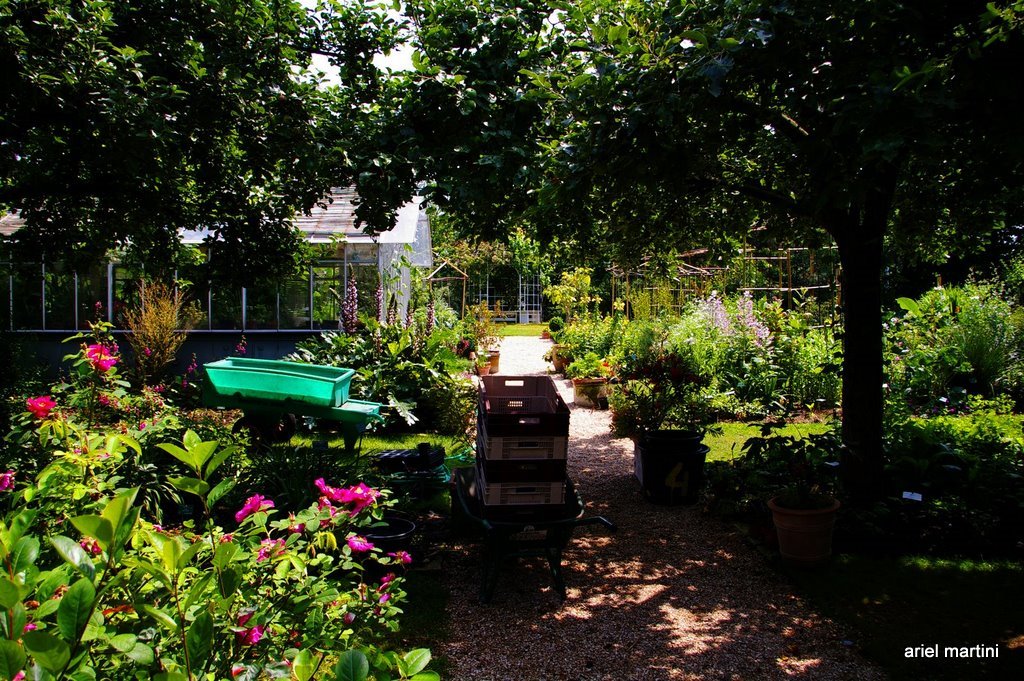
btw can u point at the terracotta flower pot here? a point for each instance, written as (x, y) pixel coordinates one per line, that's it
(495, 356)
(805, 535)
(590, 392)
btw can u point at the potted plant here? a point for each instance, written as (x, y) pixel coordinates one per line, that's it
(485, 331)
(555, 324)
(660, 405)
(483, 364)
(589, 376)
(804, 513)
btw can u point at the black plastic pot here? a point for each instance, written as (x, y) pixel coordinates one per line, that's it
(395, 534)
(670, 466)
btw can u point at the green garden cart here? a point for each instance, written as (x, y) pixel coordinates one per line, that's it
(272, 393)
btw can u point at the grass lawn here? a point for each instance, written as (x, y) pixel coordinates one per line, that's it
(521, 329)
(899, 603)
(728, 444)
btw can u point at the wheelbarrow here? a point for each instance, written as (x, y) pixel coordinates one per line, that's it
(513, 533)
(271, 393)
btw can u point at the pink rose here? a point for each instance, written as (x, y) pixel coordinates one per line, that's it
(359, 544)
(7, 481)
(253, 504)
(40, 406)
(101, 356)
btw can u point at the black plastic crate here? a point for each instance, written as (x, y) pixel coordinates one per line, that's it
(409, 460)
(522, 406)
(523, 470)
(521, 446)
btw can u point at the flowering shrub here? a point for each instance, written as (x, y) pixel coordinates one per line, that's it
(96, 590)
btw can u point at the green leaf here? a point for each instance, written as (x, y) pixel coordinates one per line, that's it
(225, 552)
(75, 609)
(171, 551)
(116, 509)
(24, 555)
(74, 555)
(198, 590)
(304, 665)
(19, 525)
(49, 652)
(425, 676)
(202, 452)
(199, 639)
(141, 655)
(12, 659)
(695, 37)
(123, 642)
(909, 304)
(186, 557)
(96, 527)
(190, 485)
(170, 676)
(230, 580)
(191, 439)
(179, 454)
(160, 617)
(416, 661)
(219, 459)
(352, 666)
(218, 492)
(10, 594)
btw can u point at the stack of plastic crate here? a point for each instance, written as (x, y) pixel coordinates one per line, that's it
(522, 443)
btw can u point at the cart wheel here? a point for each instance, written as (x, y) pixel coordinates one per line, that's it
(267, 430)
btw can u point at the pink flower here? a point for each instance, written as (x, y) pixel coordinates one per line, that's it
(244, 617)
(147, 352)
(237, 670)
(142, 425)
(250, 637)
(387, 579)
(296, 528)
(254, 504)
(384, 598)
(91, 546)
(101, 356)
(402, 556)
(349, 618)
(31, 626)
(360, 496)
(269, 548)
(40, 406)
(359, 544)
(20, 676)
(7, 481)
(226, 538)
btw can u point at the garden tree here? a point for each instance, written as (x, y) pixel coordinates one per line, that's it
(650, 124)
(125, 121)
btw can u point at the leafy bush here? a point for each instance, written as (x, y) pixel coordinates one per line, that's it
(402, 368)
(951, 343)
(589, 334)
(588, 366)
(98, 589)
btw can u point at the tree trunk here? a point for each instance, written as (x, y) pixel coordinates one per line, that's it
(860, 252)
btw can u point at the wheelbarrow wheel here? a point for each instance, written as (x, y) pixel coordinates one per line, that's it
(265, 430)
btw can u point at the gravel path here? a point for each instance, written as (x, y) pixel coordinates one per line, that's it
(672, 595)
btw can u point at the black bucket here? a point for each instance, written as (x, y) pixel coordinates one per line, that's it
(396, 534)
(670, 466)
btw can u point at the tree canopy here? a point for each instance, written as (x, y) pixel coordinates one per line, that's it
(876, 124)
(123, 122)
